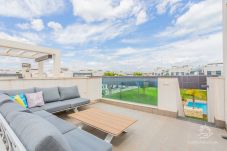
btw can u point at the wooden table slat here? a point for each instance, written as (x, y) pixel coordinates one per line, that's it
(104, 121)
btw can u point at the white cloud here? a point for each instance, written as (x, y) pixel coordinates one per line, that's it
(198, 51)
(105, 20)
(85, 33)
(13, 37)
(164, 5)
(54, 25)
(141, 17)
(98, 10)
(23, 26)
(35, 24)
(197, 20)
(30, 8)
(32, 37)
(133, 40)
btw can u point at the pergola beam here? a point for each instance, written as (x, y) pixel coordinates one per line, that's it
(8, 50)
(21, 53)
(28, 47)
(16, 55)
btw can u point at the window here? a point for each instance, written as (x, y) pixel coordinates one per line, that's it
(209, 73)
(218, 73)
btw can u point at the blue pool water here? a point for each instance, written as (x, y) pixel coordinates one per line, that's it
(203, 106)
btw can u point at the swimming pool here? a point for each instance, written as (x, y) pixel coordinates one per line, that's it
(200, 105)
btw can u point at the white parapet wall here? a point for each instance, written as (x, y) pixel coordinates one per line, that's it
(169, 98)
(215, 99)
(90, 88)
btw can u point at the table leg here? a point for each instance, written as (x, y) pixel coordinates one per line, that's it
(80, 126)
(75, 109)
(108, 138)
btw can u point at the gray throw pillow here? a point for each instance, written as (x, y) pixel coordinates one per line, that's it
(49, 94)
(69, 92)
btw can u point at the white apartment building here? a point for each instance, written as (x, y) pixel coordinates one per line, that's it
(88, 73)
(213, 69)
(180, 70)
(160, 71)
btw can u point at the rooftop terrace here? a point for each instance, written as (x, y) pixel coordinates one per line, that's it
(159, 133)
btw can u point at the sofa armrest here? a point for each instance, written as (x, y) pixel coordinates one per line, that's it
(10, 139)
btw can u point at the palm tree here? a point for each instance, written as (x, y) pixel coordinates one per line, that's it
(194, 93)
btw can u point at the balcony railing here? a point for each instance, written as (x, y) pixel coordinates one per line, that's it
(141, 90)
(144, 90)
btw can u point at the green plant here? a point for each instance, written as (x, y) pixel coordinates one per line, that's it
(137, 74)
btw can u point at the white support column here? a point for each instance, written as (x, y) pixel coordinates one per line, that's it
(56, 64)
(169, 98)
(224, 5)
(40, 69)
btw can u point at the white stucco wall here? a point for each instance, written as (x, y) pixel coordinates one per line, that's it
(88, 87)
(169, 98)
(215, 99)
(224, 15)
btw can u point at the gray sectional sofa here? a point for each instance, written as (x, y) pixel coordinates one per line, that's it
(39, 130)
(56, 99)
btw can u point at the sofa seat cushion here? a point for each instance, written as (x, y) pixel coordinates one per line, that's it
(69, 92)
(60, 124)
(16, 92)
(37, 134)
(4, 98)
(56, 106)
(35, 109)
(77, 102)
(9, 107)
(83, 141)
(49, 94)
(11, 116)
(43, 113)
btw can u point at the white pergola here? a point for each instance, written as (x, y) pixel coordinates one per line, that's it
(29, 51)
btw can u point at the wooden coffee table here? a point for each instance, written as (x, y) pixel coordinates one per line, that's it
(109, 123)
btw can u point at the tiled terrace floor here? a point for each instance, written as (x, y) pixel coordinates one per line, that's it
(159, 133)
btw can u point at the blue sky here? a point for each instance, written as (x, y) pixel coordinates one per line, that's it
(126, 35)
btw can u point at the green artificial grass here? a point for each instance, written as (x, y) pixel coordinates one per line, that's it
(147, 95)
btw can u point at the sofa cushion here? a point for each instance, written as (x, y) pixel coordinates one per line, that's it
(56, 106)
(77, 102)
(37, 134)
(60, 124)
(43, 113)
(15, 92)
(11, 106)
(49, 94)
(4, 98)
(35, 109)
(69, 92)
(11, 116)
(35, 99)
(83, 141)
